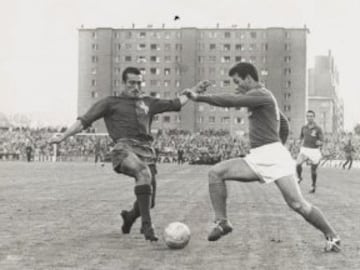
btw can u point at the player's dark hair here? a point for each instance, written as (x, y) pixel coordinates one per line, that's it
(311, 111)
(243, 69)
(130, 70)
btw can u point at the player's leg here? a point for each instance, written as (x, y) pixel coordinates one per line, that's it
(233, 169)
(299, 161)
(351, 162)
(131, 165)
(313, 177)
(293, 197)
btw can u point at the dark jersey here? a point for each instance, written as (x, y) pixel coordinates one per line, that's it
(310, 135)
(264, 115)
(128, 117)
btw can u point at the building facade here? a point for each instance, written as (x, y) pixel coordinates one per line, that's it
(174, 59)
(324, 94)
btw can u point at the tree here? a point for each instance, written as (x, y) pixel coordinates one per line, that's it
(357, 129)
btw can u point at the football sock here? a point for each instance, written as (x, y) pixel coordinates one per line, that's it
(135, 211)
(218, 196)
(318, 220)
(143, 195)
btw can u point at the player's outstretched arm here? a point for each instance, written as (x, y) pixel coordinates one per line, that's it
(72, 130)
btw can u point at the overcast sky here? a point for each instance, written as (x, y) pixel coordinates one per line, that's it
(39, 41)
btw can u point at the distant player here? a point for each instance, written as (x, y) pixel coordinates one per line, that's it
(268, 161)
(348, 150)
(128, 120)
(311, 138)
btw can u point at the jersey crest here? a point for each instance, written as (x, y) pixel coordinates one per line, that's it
(144, 107)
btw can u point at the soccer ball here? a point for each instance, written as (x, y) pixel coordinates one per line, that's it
(177, 235)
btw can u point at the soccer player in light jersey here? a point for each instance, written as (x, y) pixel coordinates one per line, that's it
(128, 120)
(312, 138)
(269, 161)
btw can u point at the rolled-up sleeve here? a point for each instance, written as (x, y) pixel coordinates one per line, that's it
(165, 105)
(96, 111)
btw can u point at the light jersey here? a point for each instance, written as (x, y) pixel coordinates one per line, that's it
(263, 113)
(310, 135)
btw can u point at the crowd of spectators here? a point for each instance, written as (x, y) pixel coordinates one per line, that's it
(208, 146)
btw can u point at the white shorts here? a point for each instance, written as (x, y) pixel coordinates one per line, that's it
(271, 162)
(311, 154)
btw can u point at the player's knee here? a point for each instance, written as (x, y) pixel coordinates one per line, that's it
(299, 206)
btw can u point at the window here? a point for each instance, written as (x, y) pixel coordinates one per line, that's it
(116, 83)
(94, 59)
(95, 46)
(167, 83)
(226, 83)
(212, 70)
(287, 71)
(155, 47)
(212, 58)
(155, 118)
(288, 84)
(264, 72)
(287, 59)
(252, 47)
(287, 35)
(177, 83)
(253, 35)
(141, 47)
(201, 108)
(167, 58)
(141, 59)
(252, 59)
(167, 71)
(117, 70)
(154, 71)
(238, 58)
(225, 119)
(239, 47)
(117, 59)
(93, 71)
(128, 35)
(167, 35)
(225, 59)
(167, 94)
(212, 34)
(264, 46)
(178, 47)
(166, 119)
(142, 71)
(117, 35)
(94, 94)
(127, 58)
(167, 47)
(154, 83)
(128, 46)
(94, 35)
(93, 82)
(239, 120)
(287, 46)
(212, 119)
(212, 46)
(201, 119)
(177, 58)
(118, 46)
(155, 59)
(201, 59)
(226, 47)
(142, 34)
(177, 118)
(227, 35)
(154, 94)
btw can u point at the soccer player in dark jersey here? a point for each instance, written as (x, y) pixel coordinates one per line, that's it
(312, 138)
(260, 164)
(348, 150)
(128, 120)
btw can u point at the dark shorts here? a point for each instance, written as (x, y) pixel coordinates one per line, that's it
(143, 151)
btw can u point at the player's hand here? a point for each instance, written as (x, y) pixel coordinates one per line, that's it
(318, 143)
(56, 139)
(201, 86)
(191, 94)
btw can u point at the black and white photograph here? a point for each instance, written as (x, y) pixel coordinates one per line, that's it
(179, 135)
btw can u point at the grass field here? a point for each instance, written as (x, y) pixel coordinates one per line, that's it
(66, 216)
